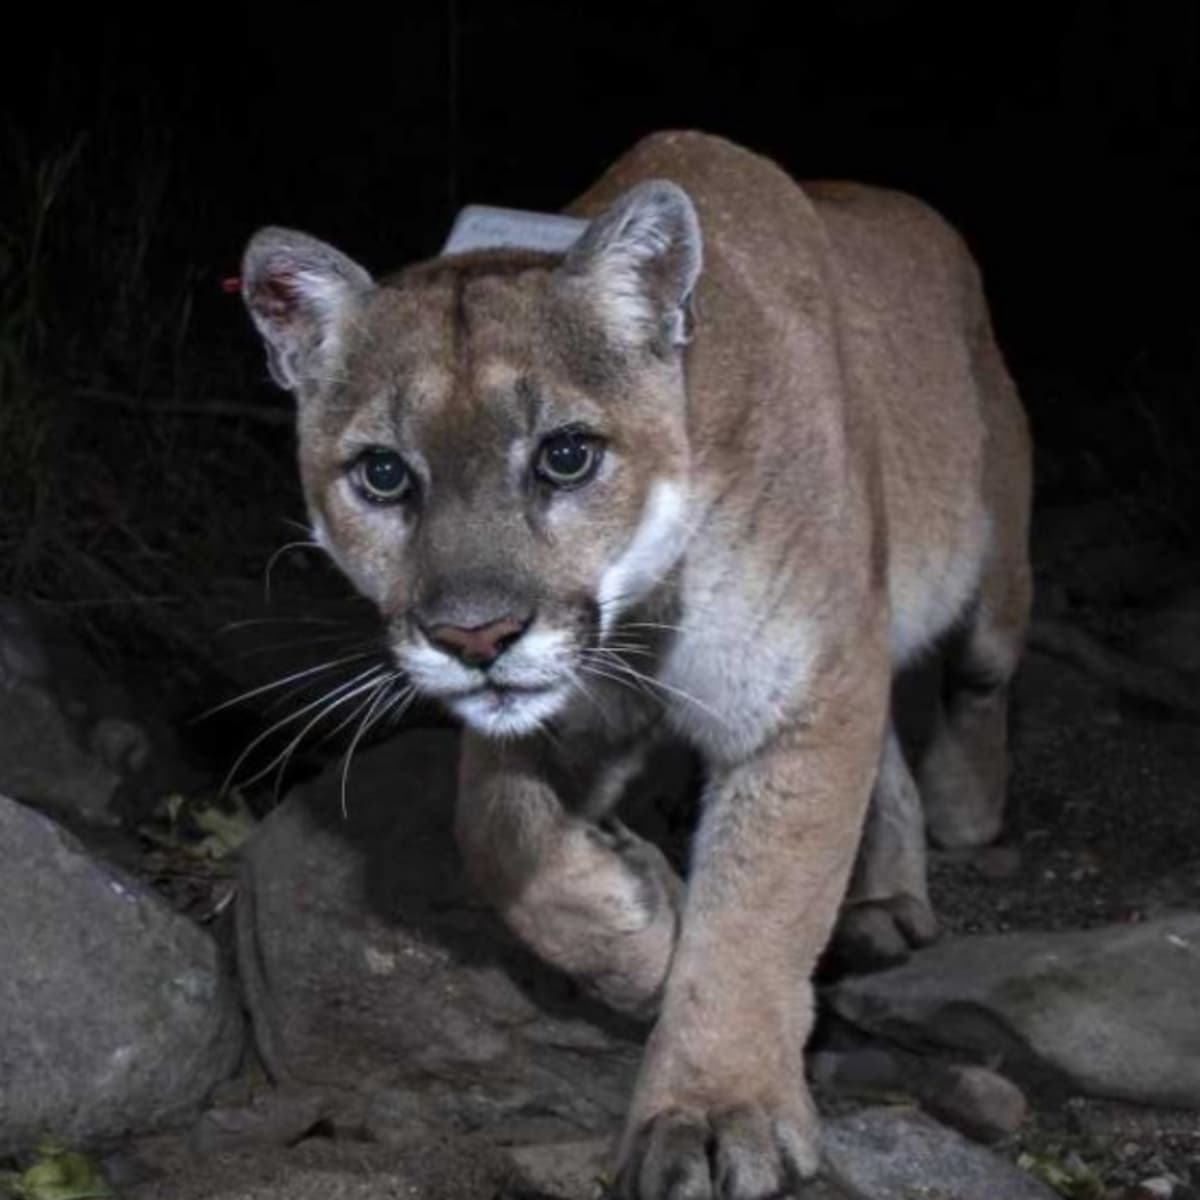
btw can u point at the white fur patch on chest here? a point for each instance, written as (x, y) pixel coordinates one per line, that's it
(735, 671)
(652, 551)
(483, 227)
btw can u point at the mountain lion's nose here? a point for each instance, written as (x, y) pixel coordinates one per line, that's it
(480, 646)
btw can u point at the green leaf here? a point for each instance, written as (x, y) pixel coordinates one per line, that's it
(60, 1174)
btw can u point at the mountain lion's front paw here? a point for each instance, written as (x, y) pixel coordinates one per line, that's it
(746, 1153)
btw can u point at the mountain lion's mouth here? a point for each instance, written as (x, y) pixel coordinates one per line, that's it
(507, 710)
(501, 690)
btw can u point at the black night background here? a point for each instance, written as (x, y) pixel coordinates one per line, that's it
(140, 153)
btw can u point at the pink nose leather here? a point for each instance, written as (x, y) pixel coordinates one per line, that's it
(479, 646)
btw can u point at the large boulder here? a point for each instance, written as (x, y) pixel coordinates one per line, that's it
(1105, 1012)
(115, 1014)
(373, 972)
(391, 1003)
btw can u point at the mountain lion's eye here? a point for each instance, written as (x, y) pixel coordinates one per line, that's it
(381, 476)
(569, 458)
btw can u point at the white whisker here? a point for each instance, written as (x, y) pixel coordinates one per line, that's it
(247, 622)
(368, 675)
(628, 648)
(577, 681)
(399, 704)
(275, 557)
(624, 625)
(316, 640)
(617, 663)
(278, 683)
(381, 693)
(284, 756)
(622, 679)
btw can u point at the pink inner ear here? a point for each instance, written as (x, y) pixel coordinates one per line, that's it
(276, 297)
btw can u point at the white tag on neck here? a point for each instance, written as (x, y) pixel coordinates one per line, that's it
(481, 227)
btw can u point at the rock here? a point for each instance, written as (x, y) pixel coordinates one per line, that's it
(899, 1154)
(578, 1170)
(1159, 1187)
(975, 1101)
(370, 969)
(274, 1117)
(972, 1099)
(115, 1014)
(70, 742)
(1106, 1012)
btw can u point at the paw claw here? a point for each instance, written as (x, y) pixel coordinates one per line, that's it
(745, 1153)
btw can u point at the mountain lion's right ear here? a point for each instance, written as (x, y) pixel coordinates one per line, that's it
(640, 261)
(301, 293)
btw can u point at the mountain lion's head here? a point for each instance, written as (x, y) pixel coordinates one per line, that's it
(493, 445)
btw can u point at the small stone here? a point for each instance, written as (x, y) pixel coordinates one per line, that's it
(576, 1170)
(1160, 1187)
(972, 1099)
(898, 1152)
(978, 1102)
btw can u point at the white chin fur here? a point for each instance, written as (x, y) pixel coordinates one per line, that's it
(508, 714)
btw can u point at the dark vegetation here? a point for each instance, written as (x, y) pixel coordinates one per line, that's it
(146, 466)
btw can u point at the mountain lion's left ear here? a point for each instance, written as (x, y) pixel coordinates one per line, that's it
(301, 293)
(640, 261)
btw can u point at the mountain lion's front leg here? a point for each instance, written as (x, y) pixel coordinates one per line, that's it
(722, 1110)
(590, 897)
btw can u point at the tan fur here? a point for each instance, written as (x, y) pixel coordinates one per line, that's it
(831, 475)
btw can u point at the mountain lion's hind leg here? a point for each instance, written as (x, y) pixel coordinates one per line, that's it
(964, 773)
(965, 769)
(592, 898)
(887, 910)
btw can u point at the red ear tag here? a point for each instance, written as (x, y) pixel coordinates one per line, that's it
(232, 285)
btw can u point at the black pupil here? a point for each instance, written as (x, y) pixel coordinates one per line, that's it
(384, 473)
(567, 456)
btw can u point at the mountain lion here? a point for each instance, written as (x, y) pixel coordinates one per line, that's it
(718, 469)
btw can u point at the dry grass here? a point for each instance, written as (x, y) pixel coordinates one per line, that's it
(133, 474)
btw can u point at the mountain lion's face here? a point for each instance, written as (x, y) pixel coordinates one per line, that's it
(493, 446)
